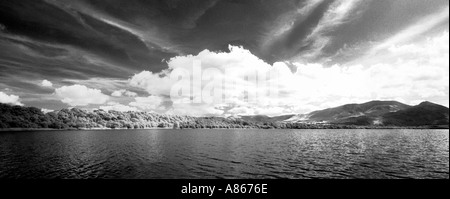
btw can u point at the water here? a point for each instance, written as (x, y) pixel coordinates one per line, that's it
(166, 154)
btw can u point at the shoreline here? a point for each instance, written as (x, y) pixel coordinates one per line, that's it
(109, 129)
(82, 129)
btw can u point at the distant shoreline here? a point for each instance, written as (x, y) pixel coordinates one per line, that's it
(424, 116)
(74, 129)
(109, 129)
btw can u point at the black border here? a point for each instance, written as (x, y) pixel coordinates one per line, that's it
(307, 189)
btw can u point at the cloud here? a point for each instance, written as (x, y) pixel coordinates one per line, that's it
(406, 73)
(118, 93)
(149, 35)
(79, 95)
(417, 29)
(10, 99)
(237, 59)
(286, 21)
(117, 107)
(409, 72)
(112, 43)
(151, 103)
(198, 110)
(124, 92)
(242, 110)
(308, 32)
(190, 21)
(340, 12)
(233, 66)
(153, 83)
(46, 83)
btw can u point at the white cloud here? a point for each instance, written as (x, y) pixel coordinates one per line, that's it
(79, 95)
(151, 103)
(242, 110)
(196, 110)
(117, 93)
(130, 94)
(46, 83)
(407, 73)
(117, 107)
(233, 62)
(410, 72)
(10, 99)
(124, 92)
(152, 83)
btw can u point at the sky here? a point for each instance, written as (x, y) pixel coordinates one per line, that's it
(121, 55)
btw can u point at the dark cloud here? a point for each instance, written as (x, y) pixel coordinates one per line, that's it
(293, 43)
(379, 20)
(47, 23)
(62, 40)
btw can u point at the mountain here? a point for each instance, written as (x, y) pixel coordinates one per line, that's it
(389, 113)
(349, 111)
(266, 119)
(373, 114)
(425, 113)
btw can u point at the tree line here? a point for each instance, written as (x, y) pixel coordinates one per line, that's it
(33, 118)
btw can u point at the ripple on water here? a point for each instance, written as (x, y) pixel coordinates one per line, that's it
(226, 154)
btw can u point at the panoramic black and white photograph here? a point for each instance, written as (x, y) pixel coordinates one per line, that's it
(224, 89)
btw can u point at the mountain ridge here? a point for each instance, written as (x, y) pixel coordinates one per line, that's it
(374, 114)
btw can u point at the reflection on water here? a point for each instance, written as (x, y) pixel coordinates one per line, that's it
(225, 154)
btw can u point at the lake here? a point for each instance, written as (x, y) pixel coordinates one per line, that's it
(229, 154)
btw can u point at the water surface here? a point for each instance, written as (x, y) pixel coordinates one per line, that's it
(166, 154)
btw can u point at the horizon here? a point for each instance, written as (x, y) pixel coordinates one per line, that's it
(270, 116)
(179, 57)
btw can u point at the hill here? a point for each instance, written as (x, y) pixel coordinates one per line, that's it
(425, 113)
(375, 114)
(387, 113)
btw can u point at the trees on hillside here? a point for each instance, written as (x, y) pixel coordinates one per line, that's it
(29, 117)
